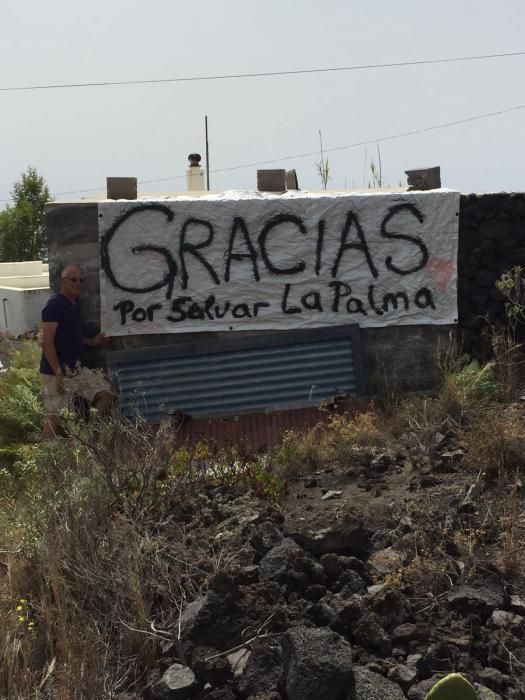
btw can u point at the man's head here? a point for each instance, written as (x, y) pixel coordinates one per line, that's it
(70, 280)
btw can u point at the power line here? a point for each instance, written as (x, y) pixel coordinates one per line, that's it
(381, 139)
(266, 74)
(357, 144)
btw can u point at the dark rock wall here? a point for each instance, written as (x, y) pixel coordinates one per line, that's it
(491, 240)
(73, 240)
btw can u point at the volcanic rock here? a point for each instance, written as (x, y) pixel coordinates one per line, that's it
(372, 686)
(263, 671)
(481, 599)
(177, 683)
(318, 664)
(351, 537)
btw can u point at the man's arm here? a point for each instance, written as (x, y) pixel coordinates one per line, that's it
(49, 328)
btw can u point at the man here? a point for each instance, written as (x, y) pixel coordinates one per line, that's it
(62, 343)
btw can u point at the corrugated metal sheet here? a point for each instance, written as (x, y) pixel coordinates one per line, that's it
(261, 431)
(268, 372)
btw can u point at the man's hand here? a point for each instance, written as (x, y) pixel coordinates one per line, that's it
(99, 339)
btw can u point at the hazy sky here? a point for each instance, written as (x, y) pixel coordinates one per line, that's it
(76, 137)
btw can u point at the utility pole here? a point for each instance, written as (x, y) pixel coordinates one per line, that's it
(207, 155)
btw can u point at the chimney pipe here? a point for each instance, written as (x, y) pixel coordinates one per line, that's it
(194, 174)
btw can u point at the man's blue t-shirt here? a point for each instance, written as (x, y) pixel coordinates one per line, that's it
(69, 333)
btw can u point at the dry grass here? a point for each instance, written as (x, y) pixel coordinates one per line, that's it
(495, 442)
(512, 535)
(334, 443)
(508, 362)
(91, 542)
(79, 573)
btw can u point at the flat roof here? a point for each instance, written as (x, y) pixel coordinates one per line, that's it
(227, 194)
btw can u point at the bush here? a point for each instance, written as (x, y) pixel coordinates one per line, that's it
(467, 385)
(21, 408)
(97, 534)
(495, 441)
(336, 442)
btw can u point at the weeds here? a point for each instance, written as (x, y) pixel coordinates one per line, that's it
(466, 385)
(495, 442)
(512, 285)
(91, 538)
(231, 466)
(21, 409)
(512, 558)
(506, 342)
(336, 442)
(322, 166)
(376, 171)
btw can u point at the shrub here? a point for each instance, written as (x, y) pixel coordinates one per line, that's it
(21, 408)
(512, 285)
(495, 441)
(335, 442)
(90, 540)
(466, 386)
(299, 452)
(204, 465)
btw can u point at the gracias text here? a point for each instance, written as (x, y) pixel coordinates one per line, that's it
(261, 252)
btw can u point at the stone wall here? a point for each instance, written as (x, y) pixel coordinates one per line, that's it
(73, 239)
(72, 233)
(491, 240)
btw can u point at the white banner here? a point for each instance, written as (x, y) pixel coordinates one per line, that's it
(247, 261)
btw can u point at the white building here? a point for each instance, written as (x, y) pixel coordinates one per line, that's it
(24, 290)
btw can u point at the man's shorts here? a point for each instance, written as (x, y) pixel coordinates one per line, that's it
(83, 382)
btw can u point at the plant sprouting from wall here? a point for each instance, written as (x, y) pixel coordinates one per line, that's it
(323, 169)
(376, 171)
(512, 285)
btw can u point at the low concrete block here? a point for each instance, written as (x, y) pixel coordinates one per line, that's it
(271, 180)
(121, 187)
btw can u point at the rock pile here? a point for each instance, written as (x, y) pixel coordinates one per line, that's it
(302, 617)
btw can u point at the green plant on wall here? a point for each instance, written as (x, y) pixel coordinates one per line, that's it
(376, 171)
(323, 169)
(512, 285)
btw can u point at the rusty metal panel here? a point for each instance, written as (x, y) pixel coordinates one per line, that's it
(265, 372)
(261, 431)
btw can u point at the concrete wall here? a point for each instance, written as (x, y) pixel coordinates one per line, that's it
(16, 269)
(29, 282)
(20, 309)
(24, 289)
(404, 357)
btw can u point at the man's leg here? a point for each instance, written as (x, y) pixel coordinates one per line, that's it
(49, 431)
(53, 404)
(104, 400)
(95, 388)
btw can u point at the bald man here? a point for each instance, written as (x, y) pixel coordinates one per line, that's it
(62, 343)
